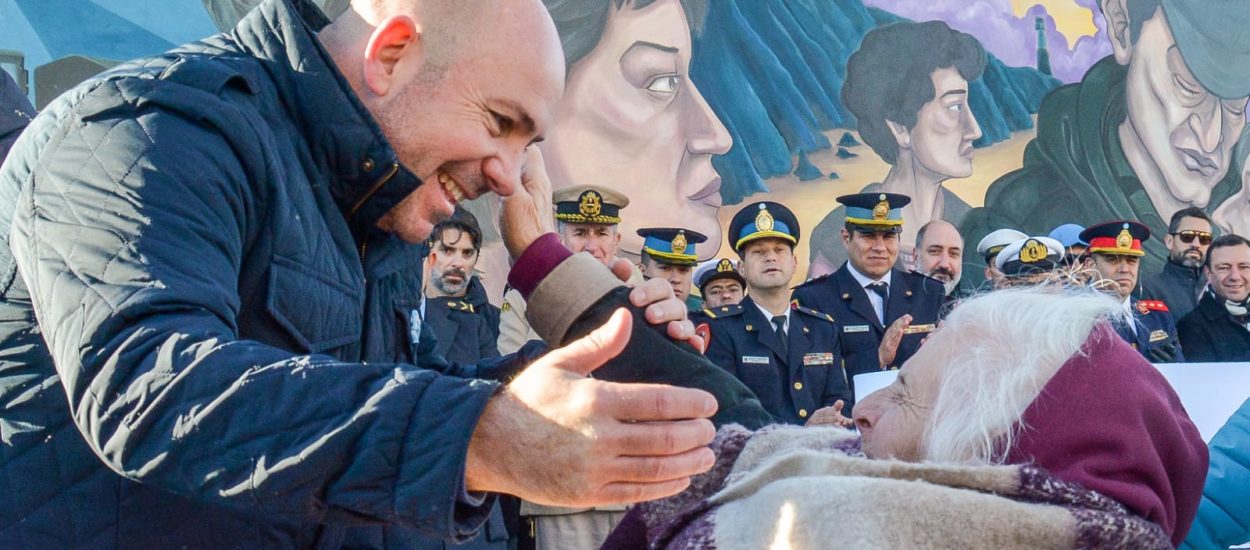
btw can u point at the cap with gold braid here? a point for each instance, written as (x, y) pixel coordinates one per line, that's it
(763, 220)
(875, 211)
(717, 268)
(589, 204)
(1030, 255)
(1121, 238)
(671, 245)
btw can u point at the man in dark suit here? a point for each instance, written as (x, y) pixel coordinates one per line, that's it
(871, 300)
(787, 354)
(465, 324)
(1115, 252)
(1219, 328)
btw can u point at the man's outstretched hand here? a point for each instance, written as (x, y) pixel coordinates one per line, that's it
(554, 436)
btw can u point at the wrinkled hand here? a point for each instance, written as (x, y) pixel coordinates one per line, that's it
(662, 307)
(888, 349)
(556, 437)
(527, 214)
(1163, 354)
(831, 416)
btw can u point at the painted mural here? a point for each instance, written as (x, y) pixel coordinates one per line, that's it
(988, 113)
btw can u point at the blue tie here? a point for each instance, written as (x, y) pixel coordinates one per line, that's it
(882, 289)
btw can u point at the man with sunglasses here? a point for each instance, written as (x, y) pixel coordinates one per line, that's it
(1181, 281)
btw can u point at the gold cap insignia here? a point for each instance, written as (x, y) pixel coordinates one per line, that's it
(882, 210)
(724, 265)
(679, 243)
(590, 205)
(763, 220)
(1124, 239)
(1033, 252)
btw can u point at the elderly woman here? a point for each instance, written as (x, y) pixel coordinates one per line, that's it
(1024, 422)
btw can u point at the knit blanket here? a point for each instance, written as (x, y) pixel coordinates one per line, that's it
(786, 487)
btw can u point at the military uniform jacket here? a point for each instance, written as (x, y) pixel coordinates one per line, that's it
(467, 329)
(1210, 334)
(791, 383)
(859, 331)
(1153, 328)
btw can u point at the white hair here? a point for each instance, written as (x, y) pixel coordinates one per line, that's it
(1005, 345)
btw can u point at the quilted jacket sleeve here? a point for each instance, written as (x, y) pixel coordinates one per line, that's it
(132, 254)
(1224, 513)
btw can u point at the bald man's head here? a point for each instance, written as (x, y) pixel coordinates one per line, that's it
(459, 87)
(940, 253)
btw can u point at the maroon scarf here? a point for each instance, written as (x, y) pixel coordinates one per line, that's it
(1086, 427)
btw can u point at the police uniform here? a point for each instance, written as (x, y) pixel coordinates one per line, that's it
(1153, 330)
(467, 328)
(791, 380)
(674, 246)
(841, 295)
(793, 371)
(713, 270)
(580, 204)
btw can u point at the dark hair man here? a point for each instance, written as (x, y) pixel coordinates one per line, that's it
(465, 324)
(874, 302)
(220, 245)
(1181, 281)
(1218, 329)
(1115, 253)
(787, 354)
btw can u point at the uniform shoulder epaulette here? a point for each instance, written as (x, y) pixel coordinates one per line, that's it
(817, 314)
(1146, 306)
(460, 305)
(722, 311)
(813, 280)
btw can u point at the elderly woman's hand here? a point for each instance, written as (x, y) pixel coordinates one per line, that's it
(830, 416)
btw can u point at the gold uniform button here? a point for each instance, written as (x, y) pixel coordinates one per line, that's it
(802, 413)
(798, 385)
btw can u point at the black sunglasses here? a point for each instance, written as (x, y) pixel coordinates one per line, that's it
(1187, 236)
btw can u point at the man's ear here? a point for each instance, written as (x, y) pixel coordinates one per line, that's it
(1167, 240)
(1088, 262)
(902, 136)
(846, 236)
(1116, 14)
(393, 39)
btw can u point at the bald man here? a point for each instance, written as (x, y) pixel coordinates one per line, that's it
(221, 245)
(940, 254)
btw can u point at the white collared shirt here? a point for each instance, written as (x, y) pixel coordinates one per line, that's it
(769, 315)
(878, 303)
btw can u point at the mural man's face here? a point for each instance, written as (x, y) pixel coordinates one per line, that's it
(599, 239)
(1186, 131)
(678, 276)
(722, 292)
(945, 128)
(632, 119)
(871, 253)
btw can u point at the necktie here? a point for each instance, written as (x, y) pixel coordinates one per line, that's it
(882, 289)
(779, 325)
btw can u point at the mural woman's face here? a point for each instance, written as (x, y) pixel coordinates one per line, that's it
(631, 119)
